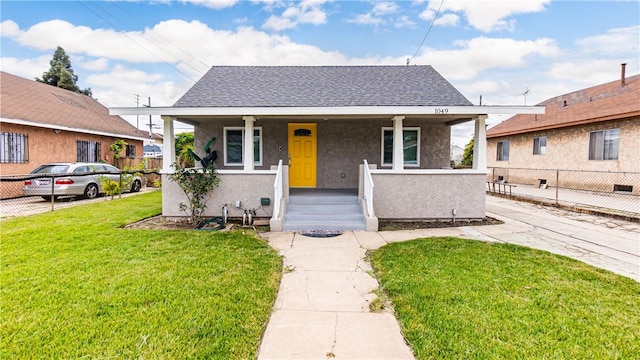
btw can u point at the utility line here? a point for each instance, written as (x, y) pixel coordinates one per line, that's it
(136, 42)
(163, 38)
(427, 34)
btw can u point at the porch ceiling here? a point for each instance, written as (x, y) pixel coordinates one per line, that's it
(449, 119)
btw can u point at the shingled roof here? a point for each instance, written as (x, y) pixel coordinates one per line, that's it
(31, 102)
(603, 102)
(321, 86)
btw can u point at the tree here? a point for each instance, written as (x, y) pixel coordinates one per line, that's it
(467, 155)
(184, 143)
(61, 74)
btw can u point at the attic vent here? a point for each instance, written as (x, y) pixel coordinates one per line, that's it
(623, 188)
(69, 101)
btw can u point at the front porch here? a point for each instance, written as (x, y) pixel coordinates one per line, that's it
(418, 195)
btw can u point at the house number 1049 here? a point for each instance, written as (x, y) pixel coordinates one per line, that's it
(442, 110)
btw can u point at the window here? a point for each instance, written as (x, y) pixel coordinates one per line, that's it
(603, 145)
(131, 151)
(503, 151)
(234, 146)
(411, 146)
(87, 151)
(14, 148)
(540, 145)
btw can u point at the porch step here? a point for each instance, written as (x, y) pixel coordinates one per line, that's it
(323, 211)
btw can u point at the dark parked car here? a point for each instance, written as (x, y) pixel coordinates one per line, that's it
(79, 179)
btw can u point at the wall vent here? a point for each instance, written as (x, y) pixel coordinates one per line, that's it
(623, 188)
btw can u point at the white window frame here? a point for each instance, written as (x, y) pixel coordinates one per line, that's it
(541, 150)
(235, 128)
(419, 139)
(599, 153)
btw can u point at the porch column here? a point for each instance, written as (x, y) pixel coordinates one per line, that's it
(168, 145)
(480, 144)
(398, 143)
(248, 142)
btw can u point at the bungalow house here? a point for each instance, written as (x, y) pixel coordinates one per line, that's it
(41, 123)
(292, 138)
(596, 129)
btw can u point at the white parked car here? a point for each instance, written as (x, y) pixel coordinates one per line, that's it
(74, 179)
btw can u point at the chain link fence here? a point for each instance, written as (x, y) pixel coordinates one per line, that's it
(604, 191)
(53, 190)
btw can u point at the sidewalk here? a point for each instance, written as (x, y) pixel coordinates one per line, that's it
(322, 308)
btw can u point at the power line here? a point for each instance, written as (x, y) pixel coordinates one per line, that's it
(427, 34)
(136, 42)
(163, 38)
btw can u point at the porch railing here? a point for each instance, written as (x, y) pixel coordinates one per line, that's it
(277, 191)
(368, 189)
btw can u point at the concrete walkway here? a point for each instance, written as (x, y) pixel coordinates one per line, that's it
(322, 308)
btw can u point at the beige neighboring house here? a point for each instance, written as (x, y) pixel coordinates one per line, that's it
(40, 123)
(381, 133)
(593, 129)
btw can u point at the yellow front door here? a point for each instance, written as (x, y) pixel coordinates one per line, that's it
(302, 155)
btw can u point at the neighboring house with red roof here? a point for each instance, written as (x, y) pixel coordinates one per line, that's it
(330, 147)
(594, 129)
(41, 123)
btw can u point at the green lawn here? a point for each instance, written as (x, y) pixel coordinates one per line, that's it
(75, 284)
(466, 299)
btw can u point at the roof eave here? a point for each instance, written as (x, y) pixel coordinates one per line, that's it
(345, 110)
(71, 129)
(564, 125)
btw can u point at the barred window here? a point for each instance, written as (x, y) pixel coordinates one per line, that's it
(87, 151)
(14, 148)
(131, 151)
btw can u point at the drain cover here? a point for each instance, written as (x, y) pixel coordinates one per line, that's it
(320, 233)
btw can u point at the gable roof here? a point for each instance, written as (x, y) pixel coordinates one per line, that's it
(321, 86)
(33, 103)
(603, 102)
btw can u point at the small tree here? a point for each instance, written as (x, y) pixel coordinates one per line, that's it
(467, 155)
(61, 74)
(117, 148)
(197, 184)
(184, 143)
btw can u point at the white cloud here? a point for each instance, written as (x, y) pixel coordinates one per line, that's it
(304, 12)
(27, 68)
(479, 54)
(488, 15)
(590, 73)
(95, 65)
(447, 20)
(384, 8)
(366, 19)
(404, 22)
(613, 42)
(213, 4)
(9, 28)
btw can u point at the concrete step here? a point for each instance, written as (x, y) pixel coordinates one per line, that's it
(323, 212)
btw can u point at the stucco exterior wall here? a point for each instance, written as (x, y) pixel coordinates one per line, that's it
(342, 146)
(429, 196)
(249, 188)
(568, 148)
(46, 145)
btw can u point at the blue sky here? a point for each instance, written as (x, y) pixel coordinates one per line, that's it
(497, 49)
